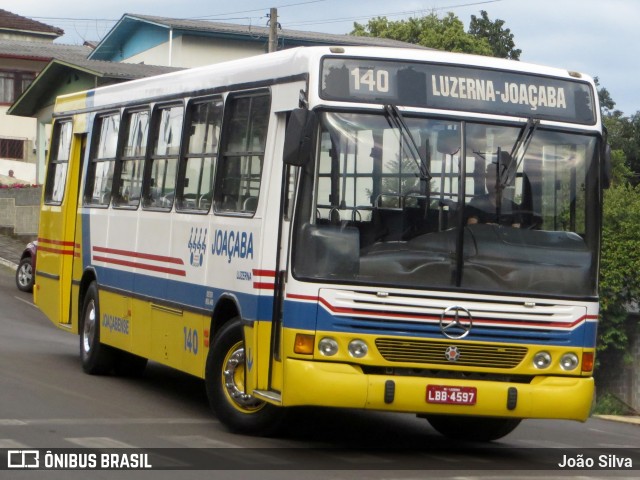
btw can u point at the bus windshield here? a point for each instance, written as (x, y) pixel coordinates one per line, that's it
(506, 208)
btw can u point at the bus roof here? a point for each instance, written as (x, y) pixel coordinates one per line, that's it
(261, 70)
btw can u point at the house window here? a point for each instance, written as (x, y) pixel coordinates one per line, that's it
(12, 84)
(12, 148)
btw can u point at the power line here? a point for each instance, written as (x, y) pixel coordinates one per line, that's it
(107, 22)
(75, 19)
(257, 9)
(392, 14)
(184, 18)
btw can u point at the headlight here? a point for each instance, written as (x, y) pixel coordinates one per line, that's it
(569, 361)
(542, 360)
(357, 348)
(328, 346)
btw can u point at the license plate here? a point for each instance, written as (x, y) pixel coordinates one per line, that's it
(451, 395)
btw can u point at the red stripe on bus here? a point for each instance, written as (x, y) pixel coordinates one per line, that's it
(264, 286)
(56, 242)
(308, 298)
(143, 266)
(143, 256)
(55, 250)
(264, 273)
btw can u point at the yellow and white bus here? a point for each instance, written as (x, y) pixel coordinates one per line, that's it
(397, 230)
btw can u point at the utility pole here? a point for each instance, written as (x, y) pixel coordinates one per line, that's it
(273, 30)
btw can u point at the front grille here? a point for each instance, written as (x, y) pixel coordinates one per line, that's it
(469, 354)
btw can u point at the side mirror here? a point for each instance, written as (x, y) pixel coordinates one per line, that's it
(299, 136)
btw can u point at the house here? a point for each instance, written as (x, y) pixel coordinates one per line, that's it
(26, 46)
(192, 43)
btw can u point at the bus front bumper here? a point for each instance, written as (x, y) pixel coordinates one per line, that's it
(343, 385)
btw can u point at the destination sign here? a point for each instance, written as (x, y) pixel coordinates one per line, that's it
(448, 87)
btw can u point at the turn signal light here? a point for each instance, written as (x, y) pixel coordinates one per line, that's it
(587, 361)
(304, 344)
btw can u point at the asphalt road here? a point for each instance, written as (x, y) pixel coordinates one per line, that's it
(46, 402)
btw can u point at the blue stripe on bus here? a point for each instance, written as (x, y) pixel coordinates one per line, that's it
(188, 295)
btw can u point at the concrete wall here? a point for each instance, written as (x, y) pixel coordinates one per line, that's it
(20, 210)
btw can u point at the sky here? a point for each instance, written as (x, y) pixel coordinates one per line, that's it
(596, 37)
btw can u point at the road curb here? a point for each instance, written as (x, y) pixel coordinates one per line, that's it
(9, 264)
(620, 418)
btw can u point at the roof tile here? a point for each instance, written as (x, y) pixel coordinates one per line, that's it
(11, 21)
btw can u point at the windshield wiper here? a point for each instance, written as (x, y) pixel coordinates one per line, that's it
(518, 151)
(397, 120)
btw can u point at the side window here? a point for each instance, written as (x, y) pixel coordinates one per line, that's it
(198, 164)
(102, 160)
(132, 158)
(239, 171)
(161, 173)
(58, 162)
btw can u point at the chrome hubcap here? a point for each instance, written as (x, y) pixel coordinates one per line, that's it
(234, 380)
(89, 330)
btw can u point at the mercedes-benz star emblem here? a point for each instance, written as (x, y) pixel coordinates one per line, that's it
(456, 322)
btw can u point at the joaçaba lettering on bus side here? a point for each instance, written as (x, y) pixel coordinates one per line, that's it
(232, 244)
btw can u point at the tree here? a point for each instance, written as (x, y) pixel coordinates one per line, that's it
(620, 263)
(606, 102)
(500, 40)
(623, 133)
(445, 33)
(483, 38)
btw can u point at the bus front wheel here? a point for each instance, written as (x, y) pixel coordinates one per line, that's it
(475, 429)
(97, 358)
(225, 385)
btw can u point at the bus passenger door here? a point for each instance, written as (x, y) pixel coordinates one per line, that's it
(57, 229)
(288, 176)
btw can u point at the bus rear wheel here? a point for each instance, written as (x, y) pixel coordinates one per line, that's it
(96, 358)
(475, 429)
(225, 385)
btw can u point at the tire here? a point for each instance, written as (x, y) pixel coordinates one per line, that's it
(224, 381)
(96, 358)
(475, 429)
(25, 275)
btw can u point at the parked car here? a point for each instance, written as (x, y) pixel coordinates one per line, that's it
(26, 272)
